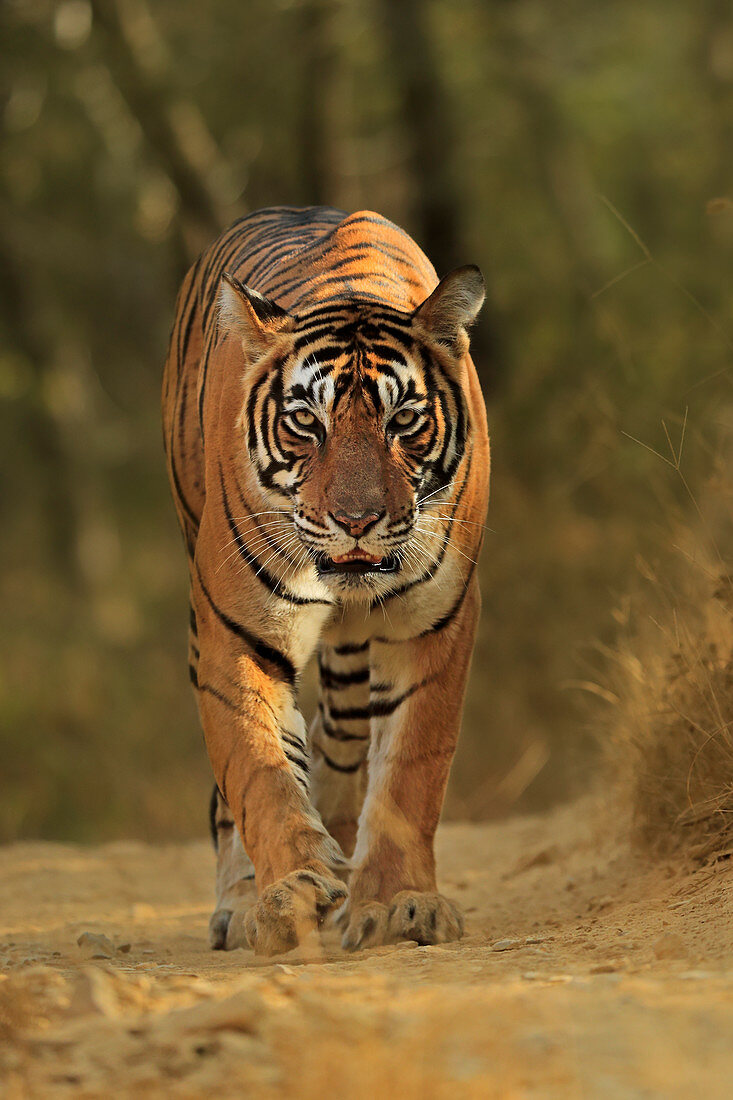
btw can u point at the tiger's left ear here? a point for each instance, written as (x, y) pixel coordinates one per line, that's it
(257, 321)
(452, 307)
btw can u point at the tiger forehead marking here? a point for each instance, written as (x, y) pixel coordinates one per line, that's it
(355, 356)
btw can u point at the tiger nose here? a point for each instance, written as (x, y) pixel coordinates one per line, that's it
(356, 524)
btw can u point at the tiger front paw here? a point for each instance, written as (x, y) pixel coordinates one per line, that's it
(290, 910)
(425, 918)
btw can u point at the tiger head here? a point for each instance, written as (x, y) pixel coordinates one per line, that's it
(355, 418)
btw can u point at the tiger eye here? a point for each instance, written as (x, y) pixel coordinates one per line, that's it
(405, 417)
(304, 418)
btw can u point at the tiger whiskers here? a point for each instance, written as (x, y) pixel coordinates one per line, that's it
(254, 546)
(260, 528)
(260, 538)
(417, 547)
(454, 519)
(429, 495)
(452, 547)
(264, 565)
(280, 551)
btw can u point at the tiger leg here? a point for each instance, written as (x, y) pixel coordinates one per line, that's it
(416, 716)
(340, 740)
(235, 873)
(256, 740)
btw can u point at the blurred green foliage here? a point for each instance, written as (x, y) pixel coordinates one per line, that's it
(581, 154)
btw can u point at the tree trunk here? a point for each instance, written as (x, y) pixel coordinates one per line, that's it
(429, 134)
(57, 503)
(147, 103)
(316, 60)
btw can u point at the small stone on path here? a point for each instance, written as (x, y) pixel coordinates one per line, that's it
(96, 946)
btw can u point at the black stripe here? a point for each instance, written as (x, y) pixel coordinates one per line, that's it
(383, 707)
(356, 298)
(193, 676)
(314, 336)
(187, 330)
(188, 311)
(316, 313)
(296, 761)
(346, 768)
(332, 679)
(192, 518)
(350, 714)
(209, 689)
(224, 775)
(391, 355)
(379, 708)
(203, 376)
(262, 650)
(213, 806)
(349, 648)
(337, 734)
(252, 403)
(449, 615)
(294, 742)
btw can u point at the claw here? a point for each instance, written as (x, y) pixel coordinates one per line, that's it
(367, 927)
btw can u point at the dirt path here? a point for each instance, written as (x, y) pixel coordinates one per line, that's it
(583, 973)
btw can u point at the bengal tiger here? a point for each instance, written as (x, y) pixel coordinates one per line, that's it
(328, 454)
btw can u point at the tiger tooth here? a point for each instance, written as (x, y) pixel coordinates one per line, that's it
(357, 555)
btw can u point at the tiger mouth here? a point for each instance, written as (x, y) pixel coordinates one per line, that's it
(359, 562)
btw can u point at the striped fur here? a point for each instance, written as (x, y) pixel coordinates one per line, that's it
(320, 405)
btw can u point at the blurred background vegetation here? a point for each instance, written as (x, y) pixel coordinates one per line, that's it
(580, 153)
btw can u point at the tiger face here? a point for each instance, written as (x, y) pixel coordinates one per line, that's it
(355, 419)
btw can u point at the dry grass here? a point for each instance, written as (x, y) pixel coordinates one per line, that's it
(670, 735)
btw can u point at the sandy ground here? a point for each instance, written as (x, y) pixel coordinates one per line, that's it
(585, 972)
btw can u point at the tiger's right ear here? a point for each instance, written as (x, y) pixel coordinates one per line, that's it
(256, 320)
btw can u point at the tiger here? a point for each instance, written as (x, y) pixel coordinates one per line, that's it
(328, 454)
